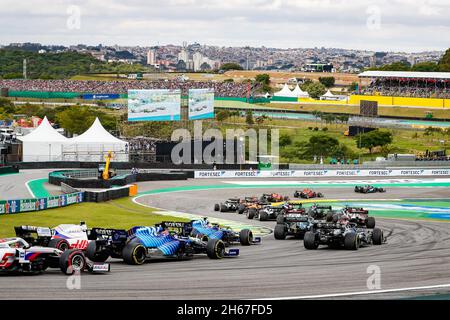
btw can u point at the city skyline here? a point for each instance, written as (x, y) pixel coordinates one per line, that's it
(409, 26)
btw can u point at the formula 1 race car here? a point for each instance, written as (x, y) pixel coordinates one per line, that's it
(273, 197)
(62, 237)
(229, 205)
(293, 221)
(267, 212)
(337, 235)
(140, 244)
(251, 210)
(205, 231)
(318, 212)
(360, 216)
(369, 189)
(17, 256)
(307, 194)
(245, 203)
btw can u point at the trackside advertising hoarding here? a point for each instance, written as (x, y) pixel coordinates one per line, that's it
(154, 105)
(105, 96)
(27, 205)
(201, 104)
(320, 173)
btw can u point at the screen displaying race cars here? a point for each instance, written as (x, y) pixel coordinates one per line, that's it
(201, 104)
(154, 105)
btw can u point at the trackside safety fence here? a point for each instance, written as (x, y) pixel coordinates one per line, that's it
(38, 204)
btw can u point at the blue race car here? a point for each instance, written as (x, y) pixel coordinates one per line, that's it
(204, 230)
(139, 244)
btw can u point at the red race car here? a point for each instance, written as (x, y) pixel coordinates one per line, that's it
(307, 194)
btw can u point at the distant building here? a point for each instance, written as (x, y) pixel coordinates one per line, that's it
(151, 57)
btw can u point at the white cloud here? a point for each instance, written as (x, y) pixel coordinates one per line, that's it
(409, 25)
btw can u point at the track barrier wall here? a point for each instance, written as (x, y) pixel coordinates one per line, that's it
(38, 204)
(9, 169)
(218, 174)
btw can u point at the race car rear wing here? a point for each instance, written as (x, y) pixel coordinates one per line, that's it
(182, 228)
(33, 234)
(114, 235)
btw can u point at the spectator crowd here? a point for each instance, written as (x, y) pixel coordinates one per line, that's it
(409, 88)
(221, 89)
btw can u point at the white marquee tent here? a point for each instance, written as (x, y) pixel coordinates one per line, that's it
(285, 92)
(94, 144)
(43, 144)
(300, 93)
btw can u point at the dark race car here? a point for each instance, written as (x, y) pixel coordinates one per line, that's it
(205, 231)
(307, 194)
(227, 206)
(322, 212)
(360, 216)
(267, 212)
(369, 189)
(17, 256)
(140, 244)
(293, 221)
(273, 197)
(251, 210)
(342, 233)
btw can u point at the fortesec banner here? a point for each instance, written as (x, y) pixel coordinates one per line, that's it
(320, 173)
(27, 205)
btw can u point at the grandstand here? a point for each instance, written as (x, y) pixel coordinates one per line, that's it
(407, 84)
(75, 88)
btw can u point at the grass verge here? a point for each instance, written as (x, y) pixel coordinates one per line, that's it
(122, 213)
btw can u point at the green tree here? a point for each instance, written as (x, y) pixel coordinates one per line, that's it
(231, 66)
(263, 78)
(320, 145)
(285, 140)
(425, 67)
(249, 117)
(444, 63)
(327, 81)
(222, 115)
(314, 89)
(372, 139)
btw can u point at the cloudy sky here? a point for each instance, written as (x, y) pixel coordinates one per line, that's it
(394, 25)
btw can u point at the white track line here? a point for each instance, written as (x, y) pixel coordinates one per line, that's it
(29, 189)
(336, 295)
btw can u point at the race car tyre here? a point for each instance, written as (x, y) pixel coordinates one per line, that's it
(329, 217)
(370, 222)
(320, 195)
(215, 249)
(60, 244)
(241, 209)
(246, 237)
(72, 261)
(280, 219)
(94, 255)
(223, 208)
(296, 195)
(279, 232)
(134, 253)
(377, 236)
(351, 241)
(251, 213)
(263, 216)
(310, 241)
(216, 207)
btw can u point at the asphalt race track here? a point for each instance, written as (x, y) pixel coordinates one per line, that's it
(416, 255)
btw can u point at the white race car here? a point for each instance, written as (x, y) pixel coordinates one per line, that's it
(62, 237)
(17, 256)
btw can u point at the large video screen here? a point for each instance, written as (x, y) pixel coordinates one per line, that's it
(201, 104)
(154, 105)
